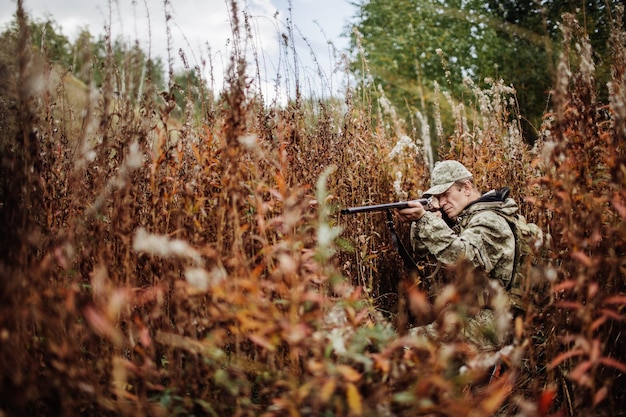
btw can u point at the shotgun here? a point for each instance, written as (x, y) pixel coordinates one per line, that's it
(426, 202)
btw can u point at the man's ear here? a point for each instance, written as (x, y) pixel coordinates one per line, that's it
(467, 187)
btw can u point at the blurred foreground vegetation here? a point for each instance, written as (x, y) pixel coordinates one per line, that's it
(197, 265)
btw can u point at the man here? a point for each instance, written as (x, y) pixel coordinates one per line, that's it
(477, 233)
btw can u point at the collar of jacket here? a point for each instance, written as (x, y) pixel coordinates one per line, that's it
(490, 200)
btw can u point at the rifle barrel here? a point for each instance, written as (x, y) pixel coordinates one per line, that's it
(380, 207)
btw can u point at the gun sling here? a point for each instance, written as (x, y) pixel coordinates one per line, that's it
(399, 246)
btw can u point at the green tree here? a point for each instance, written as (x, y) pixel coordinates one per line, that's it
(87, 57)
(526, 46)
(131, 66)
(411, 44)
(191, 93)
(47, 36)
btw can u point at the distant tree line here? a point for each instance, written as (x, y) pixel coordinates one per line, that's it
(90, 59)
(408, 45)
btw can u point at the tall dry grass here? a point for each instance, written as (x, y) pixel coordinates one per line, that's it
(204, 269)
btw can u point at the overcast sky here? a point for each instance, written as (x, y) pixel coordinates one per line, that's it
(200, 26)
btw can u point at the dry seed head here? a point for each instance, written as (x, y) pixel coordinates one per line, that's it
(161, 245)
(197, 278)
(249, 142)
(203, 280)
(502, 314)
(287, 265)
(402, 145)
(134, 159)
(386, 104)
(563, 76)
(397, 187)
(438, 121)
(425, 139)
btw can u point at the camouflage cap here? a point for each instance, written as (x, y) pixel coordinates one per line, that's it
(446, 173)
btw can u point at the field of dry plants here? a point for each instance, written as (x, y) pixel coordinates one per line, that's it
(199, 266)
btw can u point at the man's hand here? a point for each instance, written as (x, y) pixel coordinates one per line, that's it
(414, 212)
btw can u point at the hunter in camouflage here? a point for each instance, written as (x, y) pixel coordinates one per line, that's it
(475, 232)
(479, 233)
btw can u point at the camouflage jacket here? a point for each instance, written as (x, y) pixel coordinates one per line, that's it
(480, 235)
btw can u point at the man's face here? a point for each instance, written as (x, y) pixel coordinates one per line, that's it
(454, 200)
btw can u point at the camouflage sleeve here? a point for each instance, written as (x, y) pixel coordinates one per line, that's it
(429, 222)
(487, 241)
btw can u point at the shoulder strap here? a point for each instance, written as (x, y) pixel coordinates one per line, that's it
(511, 221)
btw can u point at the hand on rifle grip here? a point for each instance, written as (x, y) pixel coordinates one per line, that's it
(416, 209)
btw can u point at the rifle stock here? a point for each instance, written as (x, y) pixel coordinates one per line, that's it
(426, 202)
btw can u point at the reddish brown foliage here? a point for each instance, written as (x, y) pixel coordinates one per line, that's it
(200, 270)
